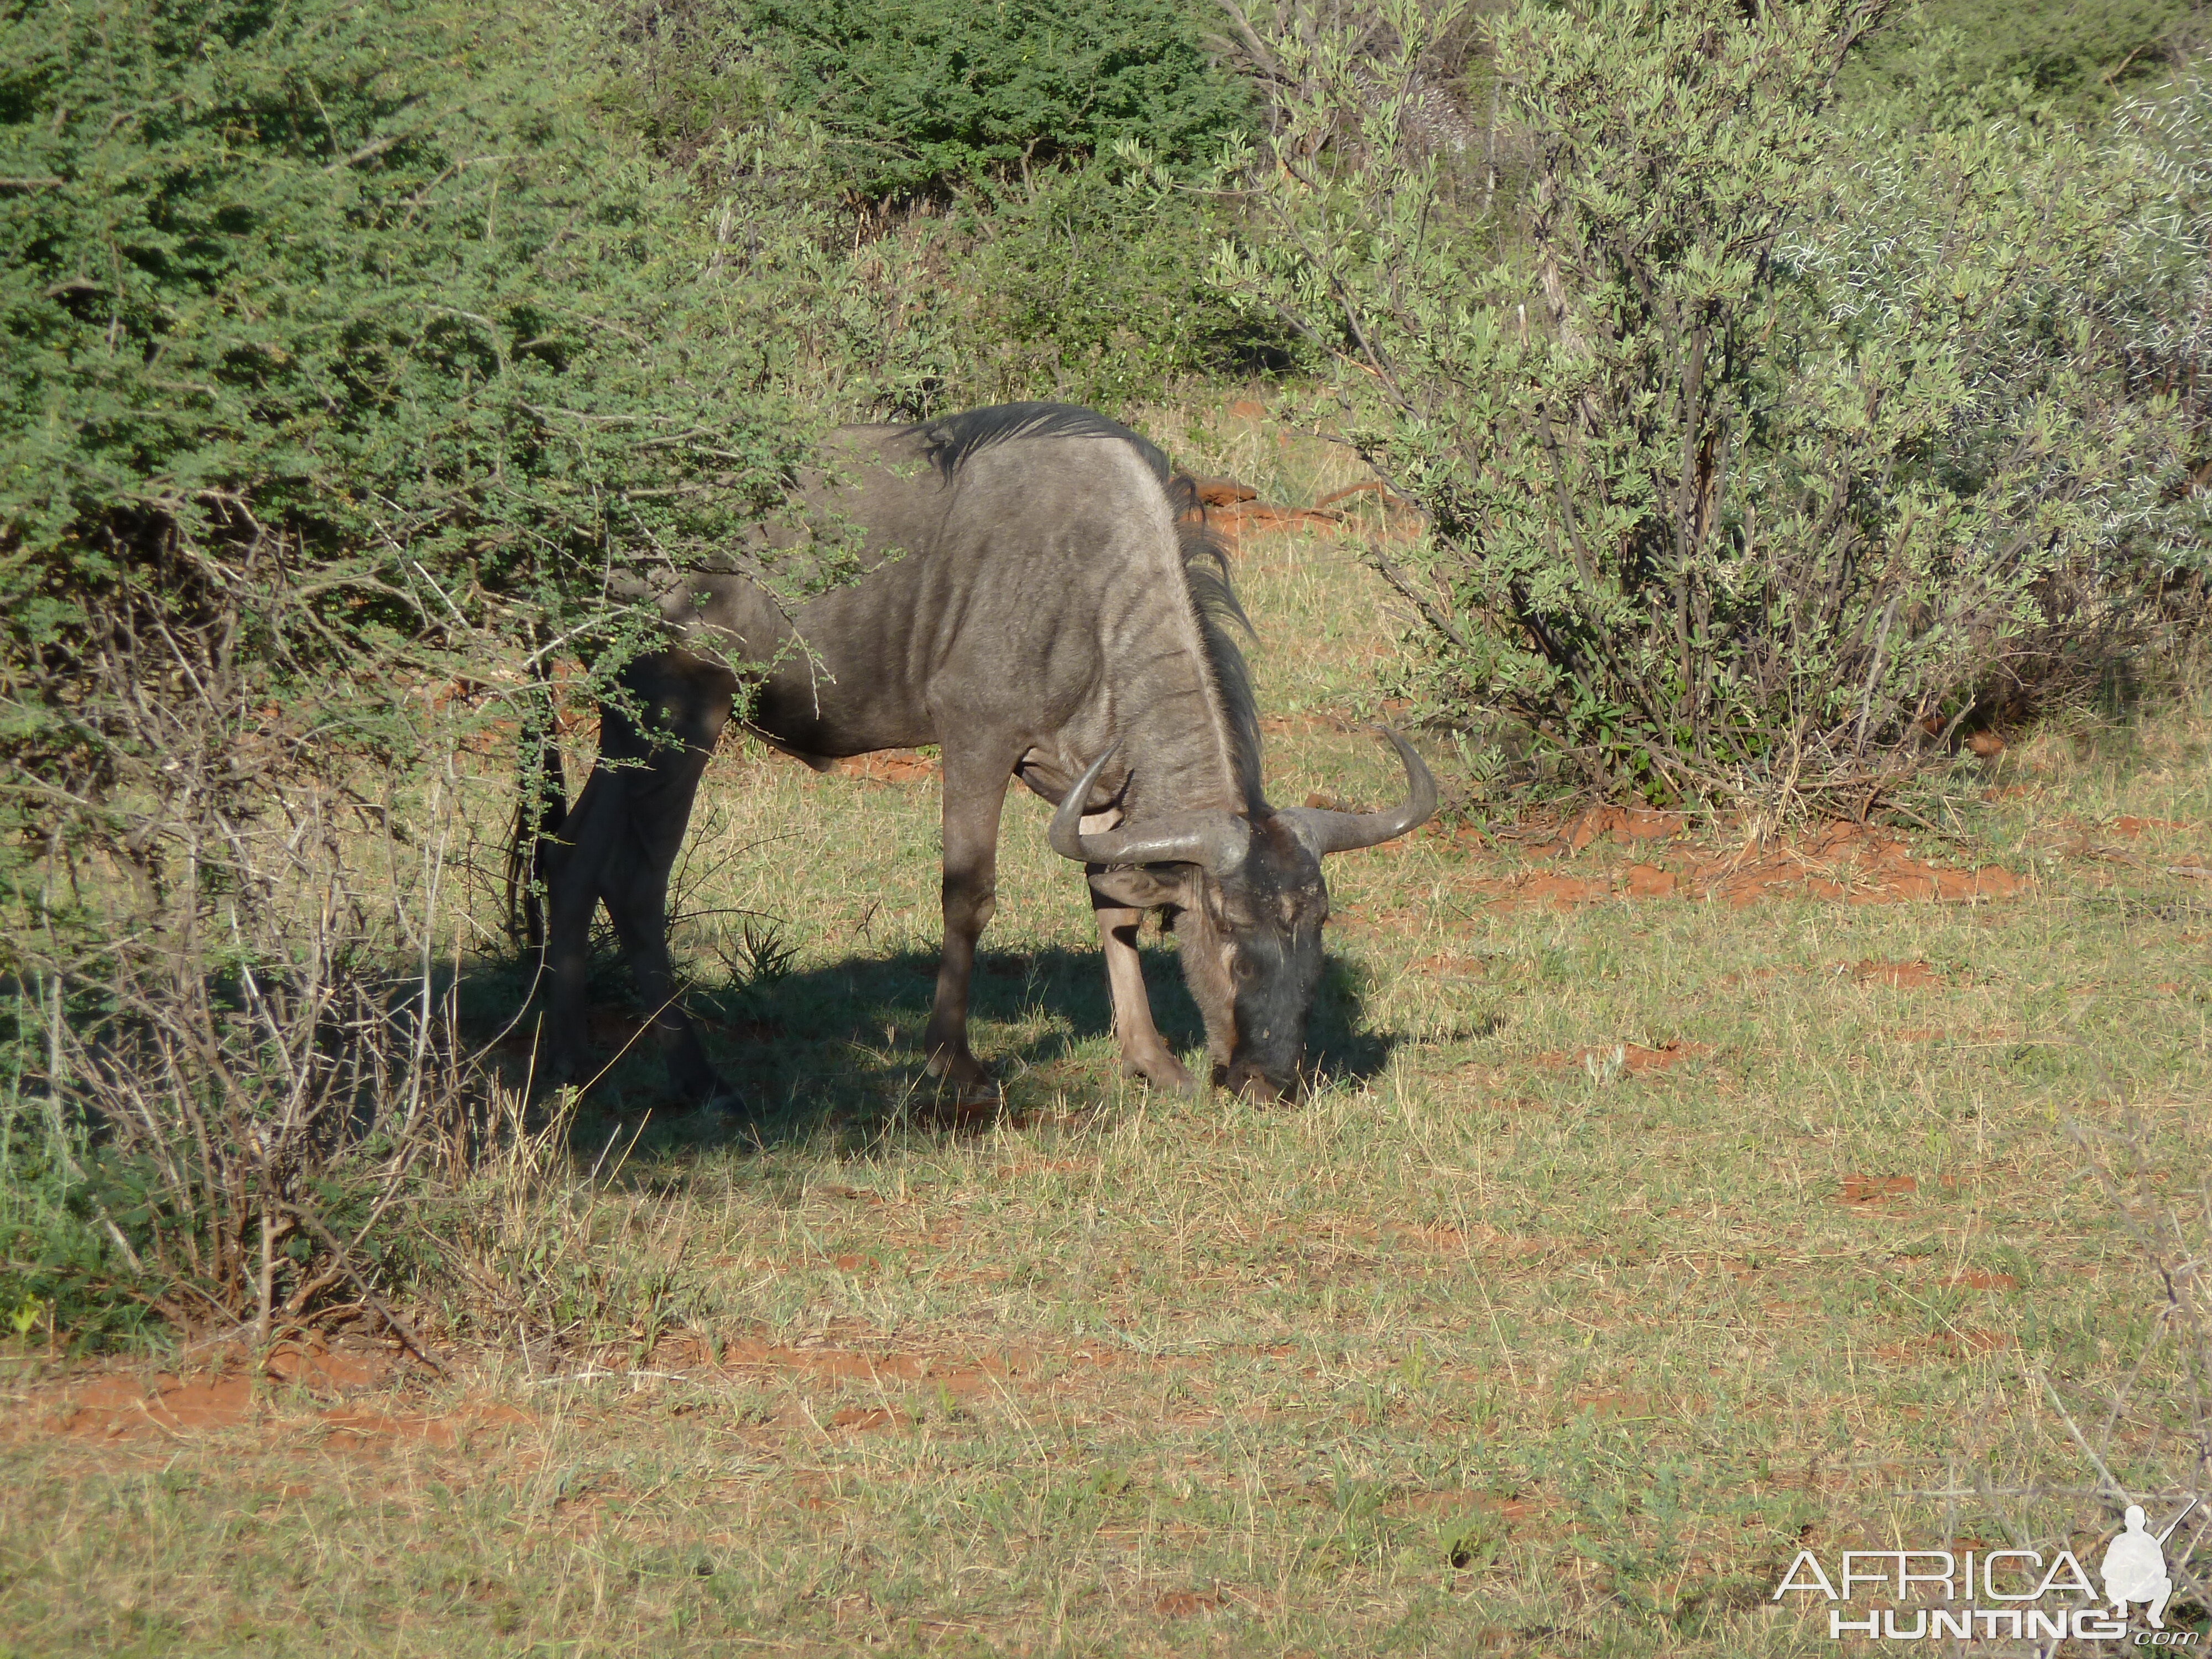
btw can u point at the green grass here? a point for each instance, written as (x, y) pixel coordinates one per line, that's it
(1486, 1349)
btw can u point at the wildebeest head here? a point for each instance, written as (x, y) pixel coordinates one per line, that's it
(1249, 902)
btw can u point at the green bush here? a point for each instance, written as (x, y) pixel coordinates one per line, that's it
(1775, 439)
(1093, 289)
(375, 275)
(2079, 58)
(351, 357)
(1082, 279)
(932, 95)
(1019, 190)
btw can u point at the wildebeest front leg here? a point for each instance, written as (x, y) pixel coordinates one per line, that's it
(974, 795)
(1144, 1053)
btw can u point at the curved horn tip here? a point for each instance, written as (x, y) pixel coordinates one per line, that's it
(1343, 832)
(1180, 838)
(1423, 781)
(1066, 833)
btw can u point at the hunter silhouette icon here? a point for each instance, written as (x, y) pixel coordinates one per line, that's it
(2135, 1567)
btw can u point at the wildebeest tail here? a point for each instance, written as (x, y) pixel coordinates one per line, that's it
(541, 804)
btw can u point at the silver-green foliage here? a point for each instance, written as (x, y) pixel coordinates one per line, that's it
(1758, 440)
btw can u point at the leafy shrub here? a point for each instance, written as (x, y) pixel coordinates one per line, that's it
(2077, 57)
(1782, 441)
(931, 95)
(1094, 290)
(350, 358)
(1021, 214)
(1083, 280)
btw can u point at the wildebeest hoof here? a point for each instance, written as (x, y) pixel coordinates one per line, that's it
(1165, 1072)
(720, 1096)
(954, 1103)
(555, 1069)
(959, 1071)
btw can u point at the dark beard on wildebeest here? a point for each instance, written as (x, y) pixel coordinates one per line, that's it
(1040, 598)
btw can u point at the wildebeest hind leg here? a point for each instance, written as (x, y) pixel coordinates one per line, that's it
(620, 844)
(1144, 1053)
(575, 868)
(689, 699)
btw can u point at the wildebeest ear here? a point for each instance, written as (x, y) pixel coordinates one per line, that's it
(1143, 887)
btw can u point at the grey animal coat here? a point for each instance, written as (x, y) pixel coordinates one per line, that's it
(1032, 605)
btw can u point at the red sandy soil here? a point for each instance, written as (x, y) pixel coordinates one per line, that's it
(1906, 976)
(299, 1386)
(1223, 492)
(1184, 1604)
(1875, 1190)
(1637, 1059)
(1234, 510)
(358, 1399)
(889, 766)
(1860, 863)
(1250, 518)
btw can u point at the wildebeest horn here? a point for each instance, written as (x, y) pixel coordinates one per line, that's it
(1207, 838)
(1339, 832)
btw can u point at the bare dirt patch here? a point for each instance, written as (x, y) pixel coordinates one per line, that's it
(1873, 1191)
(1234, 510)
(1253, 517)
(1625, 824)
(1857, 864)
(1223, 492)
(1976, 1278)
(1905, 976)
(110, 1406)
(1633, 1058)
(2132, 827)
(1563, 891)
(863, 1420)
(1187, 1604)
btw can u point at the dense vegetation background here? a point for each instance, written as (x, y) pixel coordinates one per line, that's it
(1780, 388)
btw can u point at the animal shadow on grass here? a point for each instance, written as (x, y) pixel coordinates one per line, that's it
(833, 1050)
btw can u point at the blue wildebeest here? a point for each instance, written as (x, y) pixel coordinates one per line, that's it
(1034, 603)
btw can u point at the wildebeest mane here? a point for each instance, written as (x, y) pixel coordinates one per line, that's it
(950, 441)
(1220, 613)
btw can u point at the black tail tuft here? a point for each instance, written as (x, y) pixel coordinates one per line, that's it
(541, 805)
